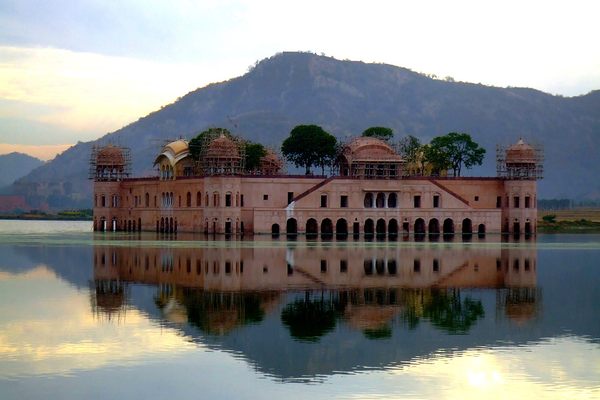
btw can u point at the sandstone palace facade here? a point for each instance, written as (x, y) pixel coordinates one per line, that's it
(371, 195)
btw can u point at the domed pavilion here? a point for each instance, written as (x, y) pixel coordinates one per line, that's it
(370, 158)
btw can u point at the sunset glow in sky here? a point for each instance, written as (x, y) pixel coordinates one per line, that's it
(73, 71)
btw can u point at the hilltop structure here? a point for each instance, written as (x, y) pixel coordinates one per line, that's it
(372, 195)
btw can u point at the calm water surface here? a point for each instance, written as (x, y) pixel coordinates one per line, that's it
(98, 316)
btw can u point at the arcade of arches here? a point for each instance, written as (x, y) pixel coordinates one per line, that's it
(380, 226)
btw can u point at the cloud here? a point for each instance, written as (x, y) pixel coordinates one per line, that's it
(70, 95)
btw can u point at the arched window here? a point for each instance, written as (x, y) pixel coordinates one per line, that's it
(380, 202)
(198, 199)
(147, 199)
(369, 200)
(392, 200)
(188, 199)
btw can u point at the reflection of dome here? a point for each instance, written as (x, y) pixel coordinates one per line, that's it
(175, 312)
(110, 155)
(369, 149)
(223, 147)
(521, 313)
(370, 317)
(520, 153)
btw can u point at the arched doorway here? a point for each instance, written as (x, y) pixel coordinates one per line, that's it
(380, 228)
(356, 229)
(341, 227)
(275, 229)
(326, 227)
(291, 226)
(481, 230)
(434, 226)
(528, 230)
(448, 227)
(312, 227)
(393, 227)
(369, 227)
(516, 228)
(467, 227)
(419, 226)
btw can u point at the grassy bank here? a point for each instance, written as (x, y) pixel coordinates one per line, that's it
(76, 215)
(569, 221)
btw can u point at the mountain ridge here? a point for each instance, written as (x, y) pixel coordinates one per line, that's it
(346, 97)
(16, 165)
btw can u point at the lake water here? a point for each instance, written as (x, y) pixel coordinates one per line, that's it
(101, 316)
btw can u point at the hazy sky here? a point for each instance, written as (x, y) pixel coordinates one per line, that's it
(75, 70)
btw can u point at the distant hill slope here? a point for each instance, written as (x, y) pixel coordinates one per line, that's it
(15, 166)
(345, 97)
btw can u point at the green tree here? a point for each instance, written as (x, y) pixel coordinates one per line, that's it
(453, 151)
(196, 144)
(254, 152)
(379, 132)
(309, 145)
(409, 148)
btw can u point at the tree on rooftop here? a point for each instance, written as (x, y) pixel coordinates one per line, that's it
(309, 145)
(379, 132)
(453, 151)
(254, 152)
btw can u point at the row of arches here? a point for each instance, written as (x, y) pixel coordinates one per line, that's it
(380, 227)
(166, 225)
(114, 225)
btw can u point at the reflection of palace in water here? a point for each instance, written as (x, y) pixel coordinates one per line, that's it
(230, 286)
(305, 267)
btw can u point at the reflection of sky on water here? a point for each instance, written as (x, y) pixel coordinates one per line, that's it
(55, 341)
(54, 333)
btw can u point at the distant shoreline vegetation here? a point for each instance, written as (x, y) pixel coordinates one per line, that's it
(577, 220)
(67, 215)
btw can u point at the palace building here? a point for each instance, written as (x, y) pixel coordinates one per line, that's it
(373, 194)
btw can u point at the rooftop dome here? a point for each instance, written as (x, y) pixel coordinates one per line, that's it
(270, 163)
(177, 147)
(223, 147)
(369, 149)
(110, 155)
(174, 151)
(520, 153)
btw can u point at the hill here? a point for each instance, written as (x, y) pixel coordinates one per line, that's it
(345, 97)
(15, 166)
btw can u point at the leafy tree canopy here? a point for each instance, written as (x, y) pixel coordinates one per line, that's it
(309, 145)
(379, 132)
(254, 152)
(410, 147)
(454, 150)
